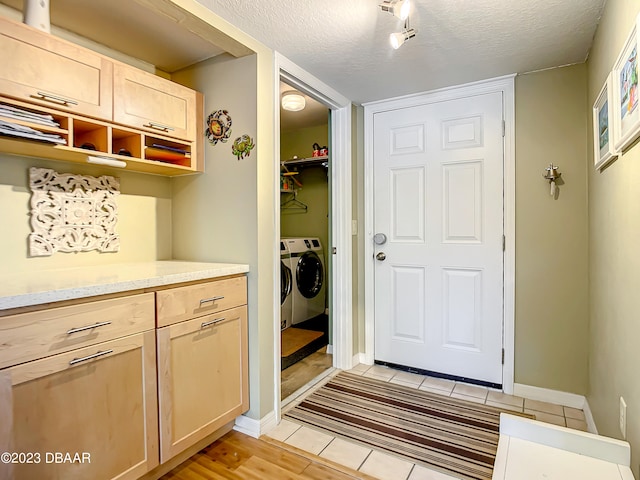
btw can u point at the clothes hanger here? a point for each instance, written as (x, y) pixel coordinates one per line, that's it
(293, 204)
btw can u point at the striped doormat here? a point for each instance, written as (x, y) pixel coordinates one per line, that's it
(456, 437)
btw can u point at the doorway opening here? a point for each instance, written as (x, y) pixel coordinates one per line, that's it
(305, 184)
(337, 252)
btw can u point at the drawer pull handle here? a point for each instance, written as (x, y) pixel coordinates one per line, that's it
(89, 357)
(212, 299)
(159, 126)
(88, 327)
(55, 98)
(212, 322)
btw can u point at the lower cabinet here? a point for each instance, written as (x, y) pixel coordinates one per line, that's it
(95, 391)
(89, 413)
(202, 377)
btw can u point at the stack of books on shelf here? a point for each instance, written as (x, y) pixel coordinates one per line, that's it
(10, 124)
(164, 152)
(8, 111)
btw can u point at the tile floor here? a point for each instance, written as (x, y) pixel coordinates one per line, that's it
(388, 467)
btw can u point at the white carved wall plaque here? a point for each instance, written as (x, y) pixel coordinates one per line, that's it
(72, 213)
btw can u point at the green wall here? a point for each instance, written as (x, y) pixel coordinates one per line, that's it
(300, 142)
(215, 215)
(314, 191)
(551, 318)
(614, 258)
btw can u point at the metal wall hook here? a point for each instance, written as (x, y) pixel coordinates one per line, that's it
(552, 175)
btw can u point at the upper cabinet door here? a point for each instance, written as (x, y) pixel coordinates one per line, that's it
(143, 100)
(47, 70)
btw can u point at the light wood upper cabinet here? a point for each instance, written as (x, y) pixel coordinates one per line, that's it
(47, 70)
(99, 400)
(144, 100)
(131, 118)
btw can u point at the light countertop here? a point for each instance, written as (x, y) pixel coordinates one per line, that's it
(29, 288)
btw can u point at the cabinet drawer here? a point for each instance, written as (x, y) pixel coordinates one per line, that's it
(71, 78)
(32, 335)
(184, 303)
(144, 100)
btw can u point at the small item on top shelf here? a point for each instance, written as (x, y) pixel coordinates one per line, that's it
(316, 150)
(324, 151)
(88, 146)
(125, 152)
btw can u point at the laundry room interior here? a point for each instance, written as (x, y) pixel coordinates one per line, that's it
(306, 347)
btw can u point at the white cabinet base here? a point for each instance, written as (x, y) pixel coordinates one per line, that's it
(531, 450)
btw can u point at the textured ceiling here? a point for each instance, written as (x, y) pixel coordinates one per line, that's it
(345, 42)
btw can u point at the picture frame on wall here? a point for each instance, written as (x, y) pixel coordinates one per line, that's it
(603, 150)
(626, 92)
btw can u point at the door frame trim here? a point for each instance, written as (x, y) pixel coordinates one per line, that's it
(505, 85)
(341, 274)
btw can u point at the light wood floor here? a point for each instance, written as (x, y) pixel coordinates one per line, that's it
(238, 456)
(301, 373)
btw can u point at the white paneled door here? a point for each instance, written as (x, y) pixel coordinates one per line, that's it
(438, 178)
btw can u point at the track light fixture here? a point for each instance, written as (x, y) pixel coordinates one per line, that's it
(398, 38)
(398, 8)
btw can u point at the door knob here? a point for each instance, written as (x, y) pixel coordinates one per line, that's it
(381, 256)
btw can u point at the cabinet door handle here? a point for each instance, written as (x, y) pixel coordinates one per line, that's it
(212, 299)
(55, 98)
(159, 126)
(87, 327)
(212, 322)
(89, 357)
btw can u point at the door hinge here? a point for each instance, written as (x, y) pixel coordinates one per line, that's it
(333, 250)
(504, 243)
(504, 128)
(503, 356)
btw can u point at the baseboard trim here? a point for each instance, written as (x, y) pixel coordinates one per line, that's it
(329, 349)
(559, 398)
(591, 423)
(550, 396)
(254, 428)
(359, 358)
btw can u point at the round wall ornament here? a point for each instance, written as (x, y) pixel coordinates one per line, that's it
(218, 127)
(242, 146)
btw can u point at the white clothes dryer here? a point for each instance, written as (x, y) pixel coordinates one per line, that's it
(309, 273)
(286, 287)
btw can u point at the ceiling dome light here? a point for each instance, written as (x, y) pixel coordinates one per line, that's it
(398, 38)
(293, 101)
(398, 8)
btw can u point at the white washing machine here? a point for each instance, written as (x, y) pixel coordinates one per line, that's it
(309, 274)
(286, 287)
